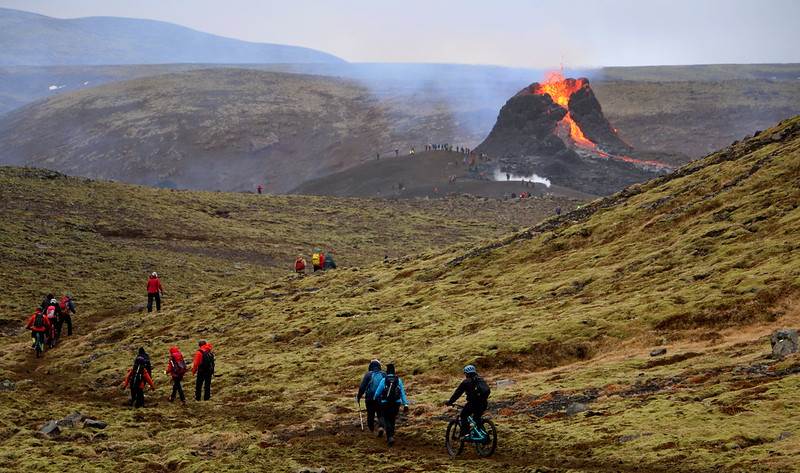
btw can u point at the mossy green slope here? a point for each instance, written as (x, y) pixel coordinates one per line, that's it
(705, 261)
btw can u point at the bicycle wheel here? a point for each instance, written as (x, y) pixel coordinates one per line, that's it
(487, 447)
(452, 439)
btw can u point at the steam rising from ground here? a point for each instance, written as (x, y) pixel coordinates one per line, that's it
(502, 176)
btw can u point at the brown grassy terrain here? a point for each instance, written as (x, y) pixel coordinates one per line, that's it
(703, 262)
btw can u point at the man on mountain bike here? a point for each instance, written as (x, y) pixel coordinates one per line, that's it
(477, 398)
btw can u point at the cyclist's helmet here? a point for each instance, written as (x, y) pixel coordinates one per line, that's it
(53, 301)
(470, 369)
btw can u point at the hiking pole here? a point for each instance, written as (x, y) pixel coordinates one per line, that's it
(360, 415)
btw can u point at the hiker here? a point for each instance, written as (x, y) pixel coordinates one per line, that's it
(176, 368)
(396, 152)
(316, 260)
(299, 265)
(391, 394)
(154, 292)
(145, 360)
(46, 302)
(260, 188)
(477, 392)
(377, 156)
(39, 325)
(136, 377)
(328, 262)
(66, 306)
(367, 388)
(558, 210)
(53, 314)
(203, 368)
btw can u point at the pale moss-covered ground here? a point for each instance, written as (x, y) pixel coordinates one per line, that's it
(705, 262)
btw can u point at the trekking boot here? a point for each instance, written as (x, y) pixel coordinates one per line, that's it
(380, 432)
(390, 441)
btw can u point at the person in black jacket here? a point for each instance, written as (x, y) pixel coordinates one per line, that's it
(477, 392)
(369, 384)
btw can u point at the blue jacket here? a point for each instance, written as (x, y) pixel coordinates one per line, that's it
(382, 385)
(366, 381)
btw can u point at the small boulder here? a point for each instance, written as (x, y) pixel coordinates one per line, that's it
(784, 342)
(658, 352)
(784, 435)
(72, 420)
(49, 430)
(306, 469)
(94, 424)
(576, 408)
(7, 385)
(502, 383)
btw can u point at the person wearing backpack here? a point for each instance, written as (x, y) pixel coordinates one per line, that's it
(136, 378)
(316, 260)
(53, 314)
(66, 306)
(477, 391)
(176, 368)
(39, 326)
(391, 394)
(367, 388)
(203, 368)
(329, 263)
(154, 292)
(300, 265)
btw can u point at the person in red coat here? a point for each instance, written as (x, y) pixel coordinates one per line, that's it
(176, 368)
(203, 368)
(40, 328)
(136, 379)
(154, 292)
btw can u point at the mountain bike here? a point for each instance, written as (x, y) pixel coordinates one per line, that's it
(38, 343)
(483, 436)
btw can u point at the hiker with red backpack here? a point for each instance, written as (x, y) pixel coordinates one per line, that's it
(53, 314)
(137, 376)
(477, 391)
(66, 306)
(300, 265)
(369, 384)
(391, 394)
(176, 368)
(39, 326)
(154, 292)
(203, 368)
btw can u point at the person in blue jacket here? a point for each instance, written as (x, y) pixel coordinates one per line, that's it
(367, 388)
(392, 394)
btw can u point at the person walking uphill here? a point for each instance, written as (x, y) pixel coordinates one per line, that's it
(136, 377)
(367, 388)
(203, 368)
(67, 307)
(477, 398)
(154, 292)
(39, 325)
(391, 394)
(176, 368)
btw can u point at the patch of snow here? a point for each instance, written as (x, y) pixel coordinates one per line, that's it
(501, 176)
(56, 87)
(86, 83)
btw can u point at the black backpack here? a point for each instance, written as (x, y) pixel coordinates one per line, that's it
(391, 388)
(481, 389)
(138, 375)
(207, 363)
(38, 322)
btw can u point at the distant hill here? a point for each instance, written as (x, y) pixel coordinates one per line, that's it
(218, 129)
(32, 39)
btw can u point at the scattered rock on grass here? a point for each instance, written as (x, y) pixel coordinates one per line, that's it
(628, 438)
(49, 430)
(311, 470)
(658, 352)
(94, 424)
(71, 420)
(576, 408)
(784, 342)
(502, 383)
(784, 436)
(7, 385)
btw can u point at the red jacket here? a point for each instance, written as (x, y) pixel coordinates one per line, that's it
(45, 323)
(299, 264)
(198, 357)
(175, 356)
(145, 378)
(154, 285)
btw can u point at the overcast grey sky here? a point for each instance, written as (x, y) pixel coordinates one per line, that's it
(505, 32)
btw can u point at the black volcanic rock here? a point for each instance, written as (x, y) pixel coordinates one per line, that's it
(588, 114)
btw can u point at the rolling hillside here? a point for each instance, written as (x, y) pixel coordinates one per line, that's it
(559, 317)
(30, 39)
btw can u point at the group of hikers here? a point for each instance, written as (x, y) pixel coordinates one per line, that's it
(384, 393)
(47, 321)
(320, 261)
(141, 374)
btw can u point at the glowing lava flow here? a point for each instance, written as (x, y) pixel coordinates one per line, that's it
(560, 90)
